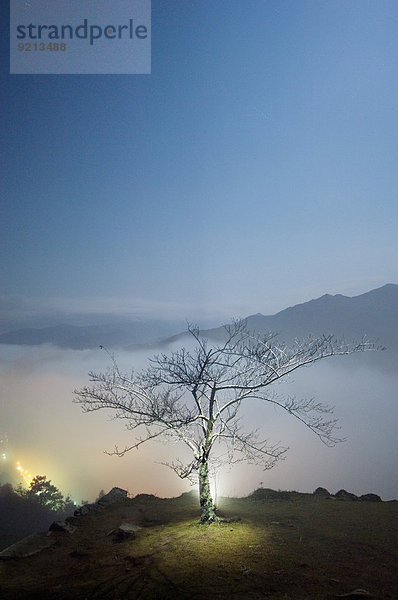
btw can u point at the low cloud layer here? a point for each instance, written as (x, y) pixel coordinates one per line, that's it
(19, 311)
(49, 435)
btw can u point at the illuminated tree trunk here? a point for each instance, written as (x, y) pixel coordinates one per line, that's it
(206, 501)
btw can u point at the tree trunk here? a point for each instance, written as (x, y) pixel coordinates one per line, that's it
(206, 501)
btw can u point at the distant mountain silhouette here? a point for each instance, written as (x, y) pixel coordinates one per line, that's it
(373, 314)
(116, 335)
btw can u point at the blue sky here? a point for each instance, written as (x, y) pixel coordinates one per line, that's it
(253, 169)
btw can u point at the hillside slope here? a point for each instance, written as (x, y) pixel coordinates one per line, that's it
(373, 314)
(293, 550)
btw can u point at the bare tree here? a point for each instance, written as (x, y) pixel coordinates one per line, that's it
(195, 396)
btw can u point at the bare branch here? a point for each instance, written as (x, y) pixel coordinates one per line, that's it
(195, 396)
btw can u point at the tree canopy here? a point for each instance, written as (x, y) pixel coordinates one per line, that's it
(195, 396)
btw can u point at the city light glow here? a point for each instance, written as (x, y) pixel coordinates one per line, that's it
(26, 476)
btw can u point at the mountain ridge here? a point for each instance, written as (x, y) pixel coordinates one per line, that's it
(373, 313)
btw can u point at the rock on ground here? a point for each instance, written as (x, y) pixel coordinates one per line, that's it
(28, 546)
(115, 495)
(62, 526)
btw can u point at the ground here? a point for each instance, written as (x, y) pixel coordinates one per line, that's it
(302, 548)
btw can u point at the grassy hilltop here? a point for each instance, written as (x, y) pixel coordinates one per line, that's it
(292, 546)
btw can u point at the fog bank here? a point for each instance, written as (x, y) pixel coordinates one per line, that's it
(49, 435)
